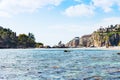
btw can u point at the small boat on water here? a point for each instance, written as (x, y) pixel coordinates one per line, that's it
(118, 53)
(66, 50)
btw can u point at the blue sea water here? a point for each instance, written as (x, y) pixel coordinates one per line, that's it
(55, 64)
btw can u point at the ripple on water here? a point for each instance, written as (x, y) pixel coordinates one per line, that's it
(56, 65)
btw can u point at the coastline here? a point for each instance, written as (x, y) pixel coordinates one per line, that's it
(85, 48)
(82, 48)
(110, 48)
(103, 48)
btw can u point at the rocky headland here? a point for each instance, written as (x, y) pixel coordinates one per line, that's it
(103, 37)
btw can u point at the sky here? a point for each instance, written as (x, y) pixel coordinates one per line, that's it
(52, 21)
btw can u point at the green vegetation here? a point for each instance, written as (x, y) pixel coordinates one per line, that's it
(9, 39)
(108, 36)
(112, 33)
(39, 45)
(26, 41)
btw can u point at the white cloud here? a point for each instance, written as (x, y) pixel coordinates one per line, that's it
(4, 14)
(106, 5)
(105, 22)
(86, 10)
(112, 20)
(19, 6)
(78, 0)
(79, 10)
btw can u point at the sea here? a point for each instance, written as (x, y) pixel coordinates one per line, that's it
(56, 64)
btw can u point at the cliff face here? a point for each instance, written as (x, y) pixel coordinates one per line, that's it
(115, 40)
(99, 39)
(73, 43)
(102, 37)
(85, 41)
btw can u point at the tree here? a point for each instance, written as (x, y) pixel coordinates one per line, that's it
(31, 40)
(8, 39)
(31, 36)
(22, 40)
(26, 41)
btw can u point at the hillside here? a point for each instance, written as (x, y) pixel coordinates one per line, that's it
(109, 36)
(9, 39)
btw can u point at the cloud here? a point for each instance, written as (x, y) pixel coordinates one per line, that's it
(79, 10)
(87, 10)
(4, 14)
(106, 5)
(78, 1)
(10, 7)
(82, 9)
(113, 20)
(105, 22)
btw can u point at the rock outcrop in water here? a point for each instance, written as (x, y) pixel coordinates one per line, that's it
(109, 36)
(59, 45)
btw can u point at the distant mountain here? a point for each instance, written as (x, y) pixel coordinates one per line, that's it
(109, 36)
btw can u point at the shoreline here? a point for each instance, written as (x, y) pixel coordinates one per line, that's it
(86, 48)
(82, 48)
(101, 48)
(110, 48)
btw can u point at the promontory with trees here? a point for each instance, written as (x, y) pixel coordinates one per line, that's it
(9, 39)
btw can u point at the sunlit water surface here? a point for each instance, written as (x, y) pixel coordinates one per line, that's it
(55, 64)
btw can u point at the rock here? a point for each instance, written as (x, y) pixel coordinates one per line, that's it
(55, 67)
(60, 45)
(47, 46)
(73, 43)
(103, 37)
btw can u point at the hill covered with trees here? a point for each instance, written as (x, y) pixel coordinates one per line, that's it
(9, 39)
